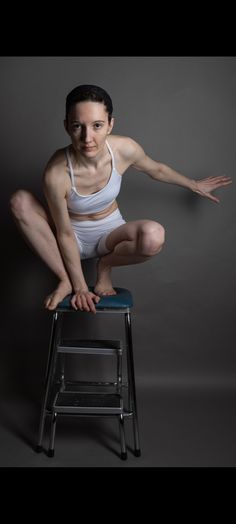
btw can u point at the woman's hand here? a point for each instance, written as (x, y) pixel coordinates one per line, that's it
(84, 300)
(205, 186)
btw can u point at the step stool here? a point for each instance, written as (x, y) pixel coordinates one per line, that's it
(84, 398)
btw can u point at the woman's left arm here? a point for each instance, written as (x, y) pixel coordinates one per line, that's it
(203, 187)
(163, 173)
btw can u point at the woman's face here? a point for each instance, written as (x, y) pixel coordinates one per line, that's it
(88, 127)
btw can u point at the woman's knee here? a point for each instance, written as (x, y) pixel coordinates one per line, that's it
(151, 238)
(20, 203)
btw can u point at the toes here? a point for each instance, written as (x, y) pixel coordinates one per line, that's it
(106, 293)
(50, 303)
(47, 302)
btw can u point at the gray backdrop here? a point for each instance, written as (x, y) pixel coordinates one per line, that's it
(182, 111)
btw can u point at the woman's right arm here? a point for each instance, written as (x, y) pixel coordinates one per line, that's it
(54, 186)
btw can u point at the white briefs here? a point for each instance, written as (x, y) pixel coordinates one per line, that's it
(91, 234)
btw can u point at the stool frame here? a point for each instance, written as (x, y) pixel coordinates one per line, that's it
(56, 349)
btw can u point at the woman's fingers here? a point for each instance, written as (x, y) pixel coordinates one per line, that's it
(84, 301)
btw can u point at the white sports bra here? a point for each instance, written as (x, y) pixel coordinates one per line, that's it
(86, 204)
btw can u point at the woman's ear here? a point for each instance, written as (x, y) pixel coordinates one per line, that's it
(111, 124)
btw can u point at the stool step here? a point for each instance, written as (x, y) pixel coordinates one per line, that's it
(88, 403)
(90, 347)
(85, 386)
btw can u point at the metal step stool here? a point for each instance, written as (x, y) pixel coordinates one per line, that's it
(84, 398)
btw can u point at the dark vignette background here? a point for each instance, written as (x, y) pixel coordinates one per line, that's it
(182, 111)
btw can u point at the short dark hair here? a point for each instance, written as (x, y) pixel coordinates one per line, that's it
(89, 92)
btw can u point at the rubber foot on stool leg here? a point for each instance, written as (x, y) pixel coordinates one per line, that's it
(51, 453)
(137, 453)
(38, 449)
(123, 456)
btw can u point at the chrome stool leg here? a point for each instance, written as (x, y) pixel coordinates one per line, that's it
(62, 372)
(119, 371)
(50, 372)
(123, 454)
(52, 436)
(131, 382)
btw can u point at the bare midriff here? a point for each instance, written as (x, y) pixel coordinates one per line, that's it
(95, 216)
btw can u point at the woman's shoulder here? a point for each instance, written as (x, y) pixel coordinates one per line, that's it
(125, 146)
(56, 166)
(58, 159)
(121, 141)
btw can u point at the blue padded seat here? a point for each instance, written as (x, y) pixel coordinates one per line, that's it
(123, 299)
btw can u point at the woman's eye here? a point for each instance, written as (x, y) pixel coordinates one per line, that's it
(97, 126)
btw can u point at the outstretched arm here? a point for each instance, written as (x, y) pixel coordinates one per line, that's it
(163, 173)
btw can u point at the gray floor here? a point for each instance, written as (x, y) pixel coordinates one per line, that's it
(179, 427)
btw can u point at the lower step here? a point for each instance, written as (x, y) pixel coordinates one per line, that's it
(88, 403)
(90, 347)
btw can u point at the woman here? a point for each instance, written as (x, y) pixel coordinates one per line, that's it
(81, 183)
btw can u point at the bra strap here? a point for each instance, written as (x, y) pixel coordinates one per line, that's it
(111, 153)
(71, 172)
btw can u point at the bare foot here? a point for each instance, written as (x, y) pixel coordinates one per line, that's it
(104, 284)
(64, 288)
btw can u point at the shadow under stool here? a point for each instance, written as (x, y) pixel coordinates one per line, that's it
(84, 398)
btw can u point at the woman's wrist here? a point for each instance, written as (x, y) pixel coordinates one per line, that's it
(81, 289)
(194, 186)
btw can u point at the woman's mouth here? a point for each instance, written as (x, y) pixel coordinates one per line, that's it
(88, 148)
